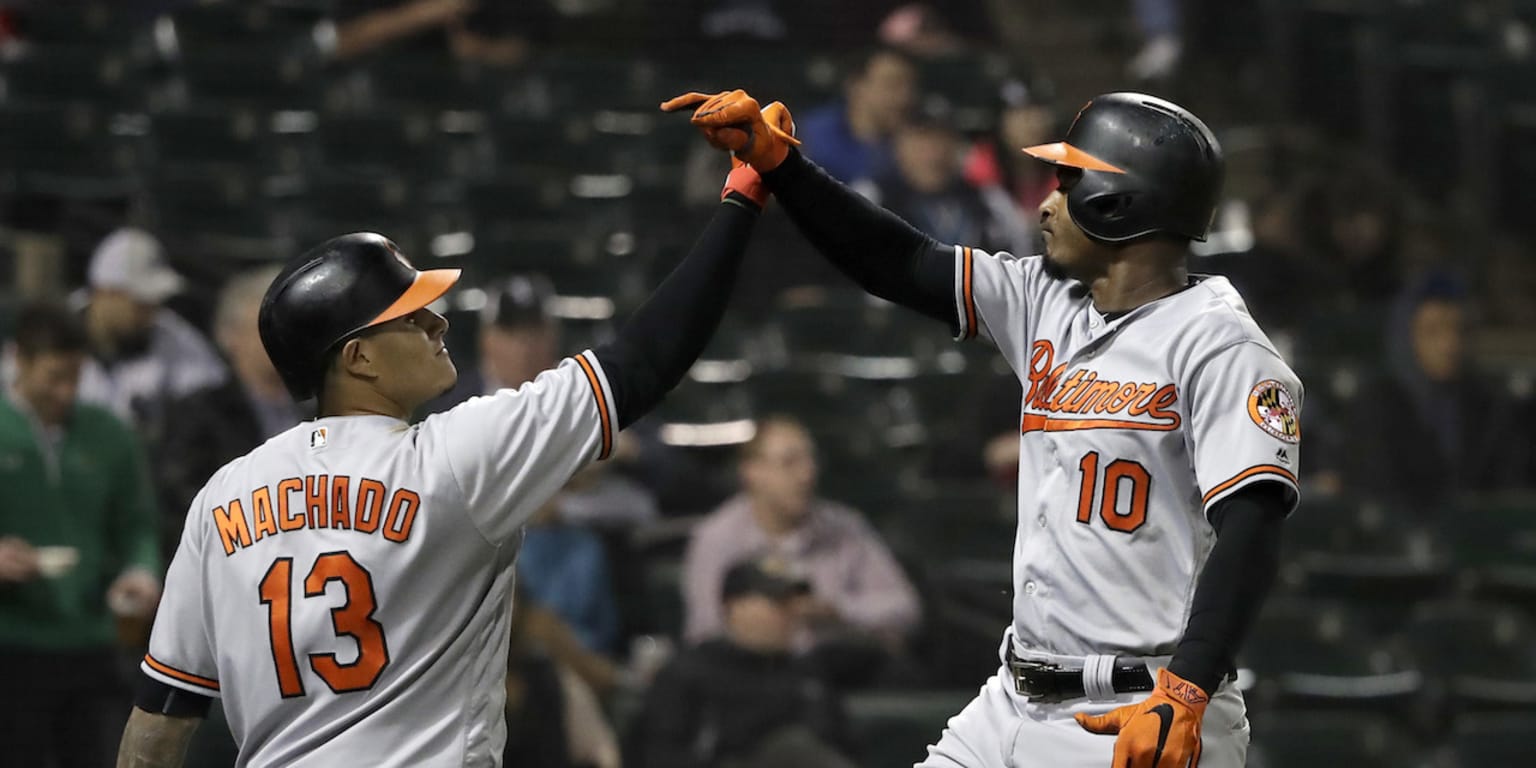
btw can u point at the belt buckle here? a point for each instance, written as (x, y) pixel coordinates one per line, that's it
(1028, 688)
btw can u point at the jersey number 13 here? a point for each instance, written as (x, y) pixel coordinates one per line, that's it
(353, 619)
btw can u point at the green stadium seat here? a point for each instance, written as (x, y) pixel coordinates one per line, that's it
(1494, 541)
(1490, 740)
(1477, 656)
(1318, 654)
(894, 728)
(82, 75)
(260, 78)
(67, 152)
(1319, 740)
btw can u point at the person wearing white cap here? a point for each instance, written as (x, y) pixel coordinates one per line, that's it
(143, 355)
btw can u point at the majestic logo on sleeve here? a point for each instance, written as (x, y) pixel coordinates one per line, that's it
(1058, 401)
(1274, 410)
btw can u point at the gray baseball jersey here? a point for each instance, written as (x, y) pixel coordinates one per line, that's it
(345, 588)
(1131, 429)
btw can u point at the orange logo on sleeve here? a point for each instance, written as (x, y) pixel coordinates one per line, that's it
(1272, 408)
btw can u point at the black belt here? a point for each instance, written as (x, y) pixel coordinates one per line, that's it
(1044, 682)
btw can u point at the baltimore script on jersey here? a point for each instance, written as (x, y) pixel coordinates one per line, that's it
(317, 501)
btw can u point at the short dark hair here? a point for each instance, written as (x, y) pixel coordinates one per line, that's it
(43, 328)
(857, 64)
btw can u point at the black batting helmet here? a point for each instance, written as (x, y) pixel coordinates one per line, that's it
(1148, 166)
(329, 294)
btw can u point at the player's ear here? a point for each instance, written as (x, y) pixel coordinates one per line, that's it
(356, 359)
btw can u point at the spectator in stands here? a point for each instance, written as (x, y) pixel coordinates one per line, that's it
(995, 165)
(928, 189)
(1435, 426)
(1163, 43)
(497, 33)
(565, 568)
(744, 699)
(859, 591)
(77, 545)
(215, 425)
(143, 355)
(554, 719)
(851, 138)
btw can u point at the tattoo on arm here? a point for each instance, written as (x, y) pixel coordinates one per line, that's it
(155, 741)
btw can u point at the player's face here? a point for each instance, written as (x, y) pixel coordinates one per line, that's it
(48, 382)
(412, 351)
(1068, 251)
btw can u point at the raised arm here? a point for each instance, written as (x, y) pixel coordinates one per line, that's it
(155, 740)
(665, 335)
(883, 254)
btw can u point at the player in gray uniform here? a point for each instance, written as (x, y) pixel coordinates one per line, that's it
(1158, 437)
(345, 588)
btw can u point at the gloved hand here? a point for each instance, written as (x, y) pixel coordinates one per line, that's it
(1161, 731)
(733, 121)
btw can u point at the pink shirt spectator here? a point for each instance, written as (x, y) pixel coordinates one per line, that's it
(838, 552)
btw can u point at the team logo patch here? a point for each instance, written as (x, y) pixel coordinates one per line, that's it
(317, 438)
(1274, 410)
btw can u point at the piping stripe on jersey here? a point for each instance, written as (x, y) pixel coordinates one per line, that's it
(602, 406)
(1262, 469)
(1035, 422)
(185, 677)
(967, 297)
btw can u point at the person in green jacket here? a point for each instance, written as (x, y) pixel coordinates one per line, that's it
(77, 550)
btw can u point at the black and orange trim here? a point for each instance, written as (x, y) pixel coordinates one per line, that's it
(161, 667)
(1246, 475)
(604, 408)
(967, 294)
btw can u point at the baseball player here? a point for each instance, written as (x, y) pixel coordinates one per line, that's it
(1158, 437)
(344, 589)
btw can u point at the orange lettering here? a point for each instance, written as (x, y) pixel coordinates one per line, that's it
(315, 487)
(1069, 388)
(402, 514)
(341, 516)
(1162, 401)
(232, 527)
(1039, 362)
(1143, 398)
(261, 500)
(1099, 397)
(370, 505)
(285, 516)
(1122, 398)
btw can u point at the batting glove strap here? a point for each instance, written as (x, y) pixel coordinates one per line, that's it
(1161, 731)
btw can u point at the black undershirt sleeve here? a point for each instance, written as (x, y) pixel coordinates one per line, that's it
(156, 697)
(665, 335)
(886, 256)
(1237, 577)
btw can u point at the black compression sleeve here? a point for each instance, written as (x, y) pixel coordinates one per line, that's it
(664, 337)
(887, 256)
(156, 697)
(1237, 578)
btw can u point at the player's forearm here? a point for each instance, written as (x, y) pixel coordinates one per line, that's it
(664, 337)
(1236, 580)
(379, 28)
(155, 741)
(886, 256)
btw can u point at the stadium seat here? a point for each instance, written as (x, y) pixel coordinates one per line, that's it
(1491, 740)
(1319, 740)
(67, 152)
(89, 23)
(1494, 541)
(665, 610)
(81, 75)
(271, 27)
(1476, 656)
(223, 141)
(894, 728)
(259, 78)
(1317, 654)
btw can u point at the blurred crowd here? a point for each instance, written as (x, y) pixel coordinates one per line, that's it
(712, 594)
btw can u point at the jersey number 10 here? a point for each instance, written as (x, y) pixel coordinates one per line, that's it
(353, 619)
(1115, 473)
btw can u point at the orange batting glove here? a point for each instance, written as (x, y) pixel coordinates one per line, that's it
(733, 121)
(1161, 731)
